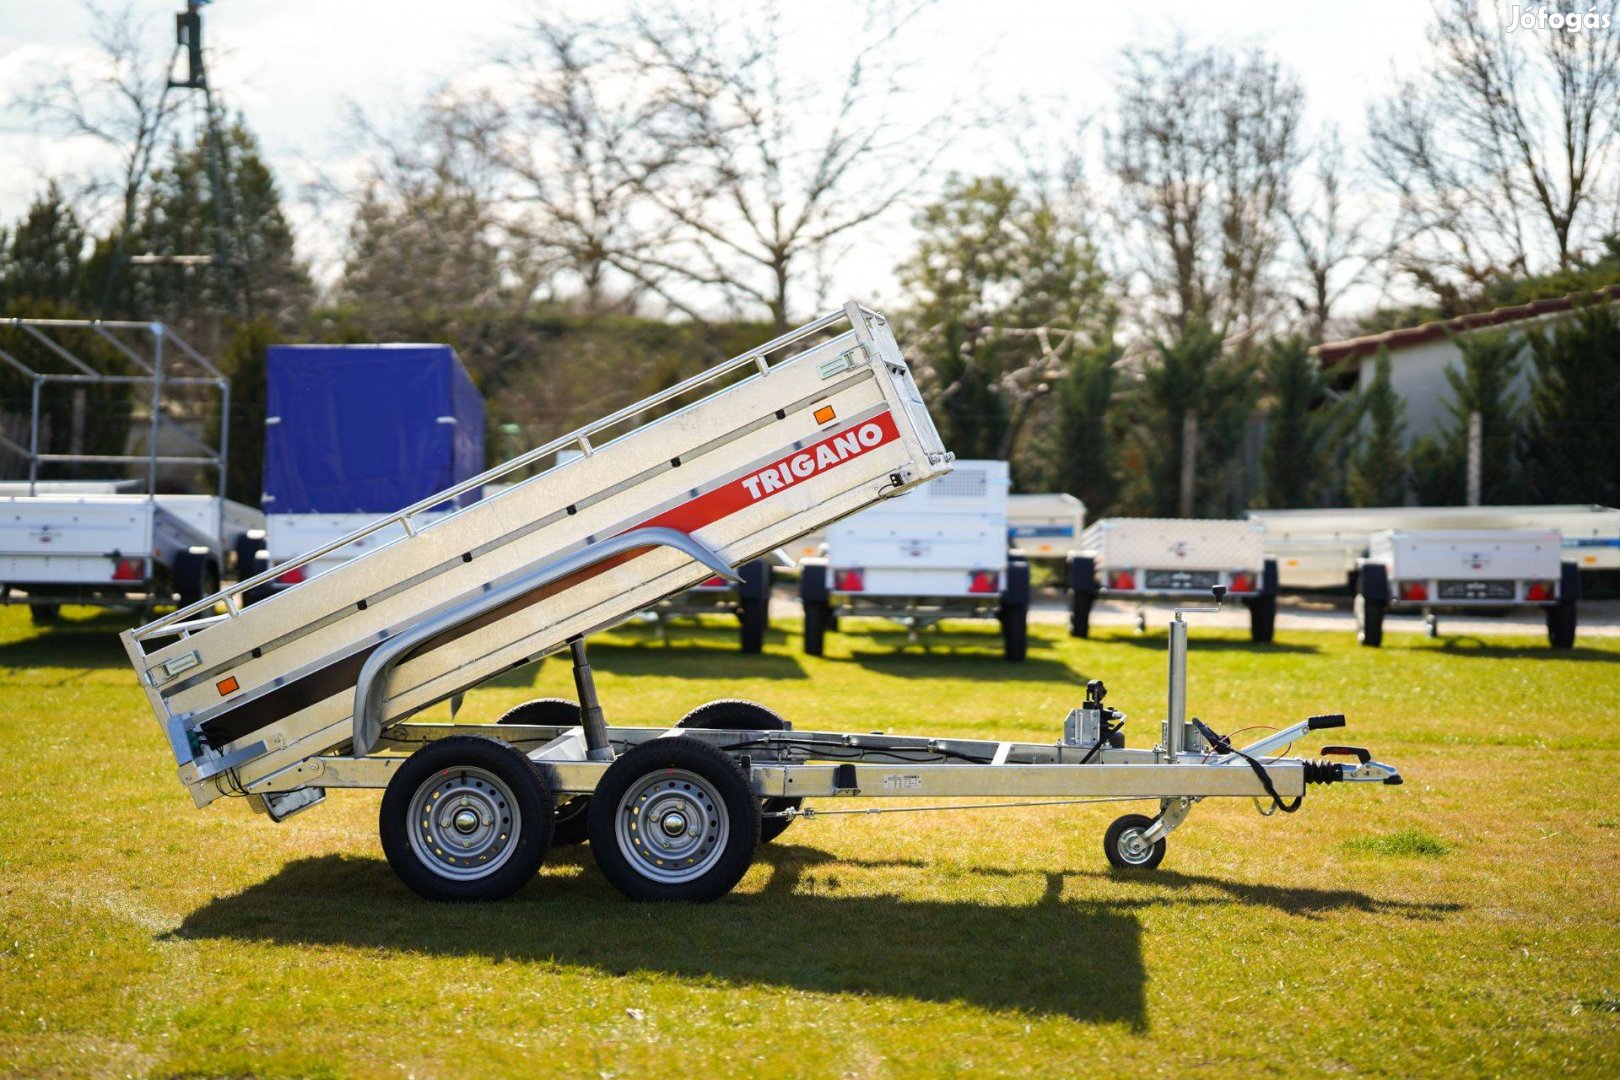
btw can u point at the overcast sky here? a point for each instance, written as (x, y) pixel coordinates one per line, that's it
(296, 67)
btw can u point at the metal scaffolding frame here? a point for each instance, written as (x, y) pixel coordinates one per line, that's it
(164, 361)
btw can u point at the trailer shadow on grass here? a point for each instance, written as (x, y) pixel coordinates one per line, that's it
(73, 643)
(1159, 641)
(1079, 958)
(692, 658)
(1468, 646)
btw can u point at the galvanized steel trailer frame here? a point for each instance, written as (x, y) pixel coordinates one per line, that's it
(674, 811)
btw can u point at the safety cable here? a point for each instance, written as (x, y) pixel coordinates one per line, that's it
(1223, 745)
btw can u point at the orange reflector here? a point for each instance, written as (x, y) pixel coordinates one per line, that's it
(825, 415)
(227, 686)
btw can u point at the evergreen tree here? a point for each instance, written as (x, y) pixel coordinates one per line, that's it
(184, 212)
(1483, 383)
(1189, 376)
(244, 360)
(1571, 439)
(1086, 463)
(45, 255)
(1378, 467)
(1304, 429)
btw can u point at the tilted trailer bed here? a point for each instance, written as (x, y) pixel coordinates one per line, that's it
(314, 688)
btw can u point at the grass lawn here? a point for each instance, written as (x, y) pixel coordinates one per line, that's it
(1465, 924)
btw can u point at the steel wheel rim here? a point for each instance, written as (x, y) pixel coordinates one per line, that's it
(645, 826)
(1133, 847)
(464, 823)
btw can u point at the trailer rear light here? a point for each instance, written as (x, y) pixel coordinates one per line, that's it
(291, 577)
(849, 580)
(129, 570)
(1242, 583)
(1541, 590)
(1121, 579)
(713, 581)
(984, 581)
(1414, 590)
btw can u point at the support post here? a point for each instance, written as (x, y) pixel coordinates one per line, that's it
(597, 747)
(1176, 705)
(1476, 455)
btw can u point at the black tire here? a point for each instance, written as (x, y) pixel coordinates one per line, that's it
(1120, 855)
(461, 767)
(816, 616)
(1370, 621)
(1262, 619)
(1561, 620)
(736, 715)
(245, 554)
(45, 614)
(755, 617)
(694, 786)
(1080, 614)
(195, 577)
(1014, 632)
(568, 823)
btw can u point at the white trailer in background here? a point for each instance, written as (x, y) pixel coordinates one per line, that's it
(120, 541)
(937, 553)
(1420, 570)
(319, 687)
(1045, 526)
(1173, 558)
(1319, 549)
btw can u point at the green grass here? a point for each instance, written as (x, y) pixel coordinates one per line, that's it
(1405, 843)
(139, 936)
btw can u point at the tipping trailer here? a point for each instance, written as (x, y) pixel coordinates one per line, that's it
(1158, 558)
(124, 540)
(1425, 570)
(316, 688)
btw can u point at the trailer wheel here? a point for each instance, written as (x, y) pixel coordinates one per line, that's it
(736, 715)
(246, 552)
(466, 818)
(1127, 849)
(45, 614)
(674, 819)
(755, 617)
(1561, 619)
(1080, 614)
(1262, 619)
(1370, 621)
(1014, 631)
(568, 823)
(817, 614)
(195, 577)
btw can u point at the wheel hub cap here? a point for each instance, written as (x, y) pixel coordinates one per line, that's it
(464, 823)
(672, 826)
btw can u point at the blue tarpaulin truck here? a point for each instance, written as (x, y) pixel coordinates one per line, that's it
(353, 432)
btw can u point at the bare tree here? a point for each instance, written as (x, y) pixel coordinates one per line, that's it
(1502, 151)
(1329, 235)
(776, 174)
(124, 103)
(1205, 146)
